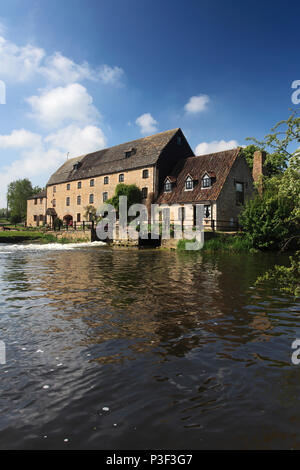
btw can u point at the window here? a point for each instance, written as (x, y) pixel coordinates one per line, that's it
(41, 218)
(121, 178)
(239, 191)
(144, 193)
(106, 179)
(78, 217)
(206, 181)
(145, 174)
(35, 218)
(54, 202)
(189, 184)
(168, 186)
(54, 189)
(76, 166)
(207, 211)
(67, 201)
(41, 200)
(35, 202)
(181, 213)
(179, 140)
(91, 199)
(78, 200)
(79, 185)
(68, 187)
(128, 154)
(92, 183)
(105, 197)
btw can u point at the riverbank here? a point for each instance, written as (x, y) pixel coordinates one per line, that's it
(22, 236)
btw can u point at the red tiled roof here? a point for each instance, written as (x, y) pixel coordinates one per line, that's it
(216, 165)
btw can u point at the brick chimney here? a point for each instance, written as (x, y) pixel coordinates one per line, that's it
(258, 169)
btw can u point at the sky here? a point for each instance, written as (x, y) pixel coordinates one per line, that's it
(78, 76)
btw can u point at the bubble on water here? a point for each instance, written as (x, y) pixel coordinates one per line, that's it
(58, 365)
(105, 408)
(115, 424)
(39, 351)
(23, 349)
(45, 437)
(66, 440)
(46, 386)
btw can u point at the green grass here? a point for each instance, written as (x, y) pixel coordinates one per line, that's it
(22, 236)
(221, 242)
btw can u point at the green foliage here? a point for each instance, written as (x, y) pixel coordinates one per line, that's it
(90, 213)
(133, 193)
(221, 242)
(286, 277)
(17, 194)
(267, 220)
(274, 164)
(57, 224)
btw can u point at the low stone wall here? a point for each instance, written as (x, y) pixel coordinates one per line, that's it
(72, 234)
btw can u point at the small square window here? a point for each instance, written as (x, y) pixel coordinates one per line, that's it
(145, 174)
(168, 186)
(67, 201)
(121, 178)
(239, 191)
(206, 182)
(189, 184)
(78, 217)
(91, 200)
(106, 179)
(79, 185)
(92, 183)
(78, 200)
(68, 187)
(128, 154)
(144, 193)
(105, 197)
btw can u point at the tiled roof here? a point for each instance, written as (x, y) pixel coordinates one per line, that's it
(217, 165)
(145, 152)
(39, 195)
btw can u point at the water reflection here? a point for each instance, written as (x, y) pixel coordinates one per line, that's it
(184, 336)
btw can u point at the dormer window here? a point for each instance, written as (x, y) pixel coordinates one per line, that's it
(189, 185)
(206, 181)
(76, 166)
(168, 186)
(128, 154)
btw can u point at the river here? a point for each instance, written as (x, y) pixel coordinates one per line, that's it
(145, 349)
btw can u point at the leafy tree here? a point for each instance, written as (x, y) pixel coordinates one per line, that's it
(17, 194)
(133, 193)
(90, 213)
(274, 163)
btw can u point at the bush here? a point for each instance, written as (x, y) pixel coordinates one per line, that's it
(57, 224)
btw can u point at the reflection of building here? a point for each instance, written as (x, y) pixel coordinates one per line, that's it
(164, 167)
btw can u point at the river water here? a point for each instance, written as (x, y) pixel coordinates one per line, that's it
(144, 349)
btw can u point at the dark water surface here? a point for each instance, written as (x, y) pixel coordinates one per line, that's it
(178, 348)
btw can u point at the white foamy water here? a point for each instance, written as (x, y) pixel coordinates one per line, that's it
(9, 248)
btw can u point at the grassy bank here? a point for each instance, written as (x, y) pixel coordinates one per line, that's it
(222, 242)
(34, 236)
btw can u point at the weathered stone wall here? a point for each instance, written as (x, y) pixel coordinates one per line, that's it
(38, 210)
(59, 192)
(72, 234)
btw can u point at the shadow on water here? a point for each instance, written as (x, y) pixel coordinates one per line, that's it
(178, 348)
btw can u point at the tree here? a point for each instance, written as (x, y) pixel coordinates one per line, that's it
(90, 213)
(133, 193)
(17, 194)
(274, 163)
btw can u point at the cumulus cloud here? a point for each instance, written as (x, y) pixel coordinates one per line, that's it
(147, 124)
(22, 63)
(39, 156)
(197, 104)
(20, 139)
(78, 140)
(55, 107)
(19, 64)
(215, 146)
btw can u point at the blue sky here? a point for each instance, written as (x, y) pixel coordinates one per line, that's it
(83, 75)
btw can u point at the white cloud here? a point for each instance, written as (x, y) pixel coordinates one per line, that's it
(215, 146)
(20, 139)
(22, 63)
(110, 75)
(146, 123)
(197, 104)
(78, 140)
(18, 64)
(40, 157)
(71, 103)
